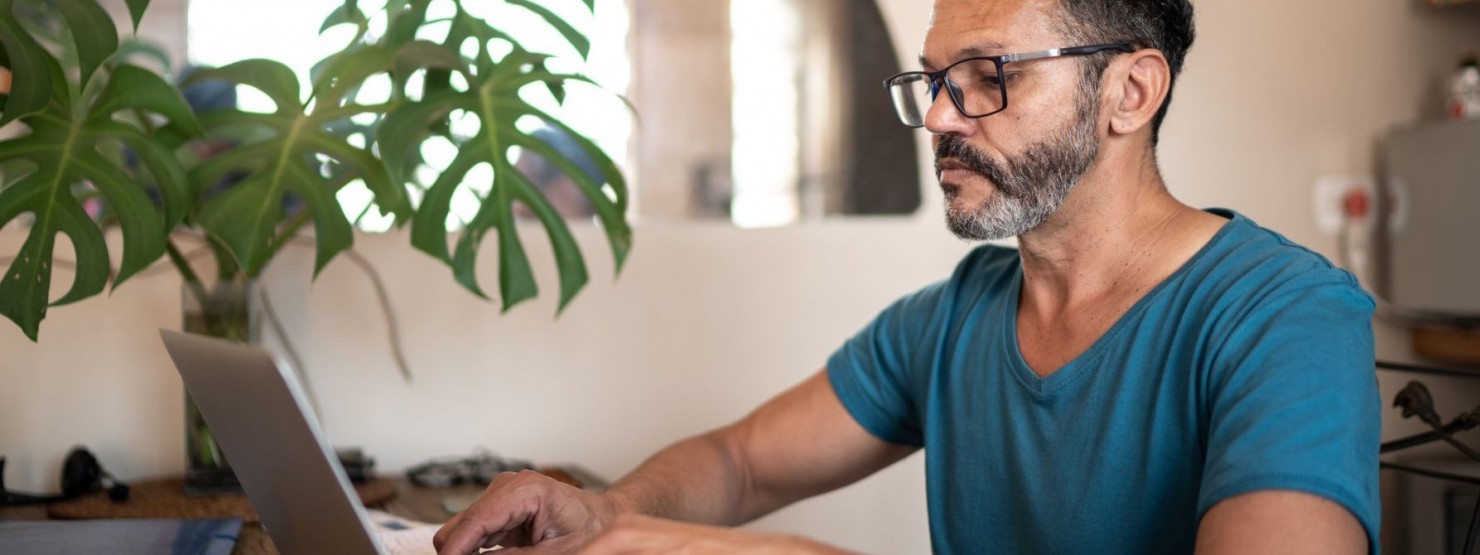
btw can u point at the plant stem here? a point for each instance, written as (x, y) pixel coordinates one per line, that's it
(226, 266)
(186, 272)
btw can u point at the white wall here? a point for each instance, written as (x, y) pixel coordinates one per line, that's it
(707, 321)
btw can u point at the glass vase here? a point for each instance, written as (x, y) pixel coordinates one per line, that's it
(222, 310)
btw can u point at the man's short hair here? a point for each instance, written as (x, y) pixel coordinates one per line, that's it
(1165, 25)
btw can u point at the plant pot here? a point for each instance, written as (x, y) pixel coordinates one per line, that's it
(222, 310)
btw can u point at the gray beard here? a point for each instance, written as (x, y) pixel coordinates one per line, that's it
(1031, 187)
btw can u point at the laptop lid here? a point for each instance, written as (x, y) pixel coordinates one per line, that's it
(263, 422)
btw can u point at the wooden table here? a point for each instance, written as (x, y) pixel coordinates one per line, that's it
(411, 501)
(407, 501)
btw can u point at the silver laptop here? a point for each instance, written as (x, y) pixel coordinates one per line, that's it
(260, 416)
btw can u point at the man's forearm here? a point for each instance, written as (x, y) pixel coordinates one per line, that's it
(799, 444)
(700, 479)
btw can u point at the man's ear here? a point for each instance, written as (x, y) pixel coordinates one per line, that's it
(1142, 80)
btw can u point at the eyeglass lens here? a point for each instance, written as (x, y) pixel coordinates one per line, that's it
(975, 88)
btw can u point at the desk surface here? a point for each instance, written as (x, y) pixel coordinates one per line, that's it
(411, 502)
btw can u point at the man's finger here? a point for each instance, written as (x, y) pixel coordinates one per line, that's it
(443, 534)
(440, 538)
(556, 546)
(469, 534)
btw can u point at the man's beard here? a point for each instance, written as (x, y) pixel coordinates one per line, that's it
(1031, 187)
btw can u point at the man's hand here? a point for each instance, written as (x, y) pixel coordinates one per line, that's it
(638, 535)
(800, 444)
(527, 509)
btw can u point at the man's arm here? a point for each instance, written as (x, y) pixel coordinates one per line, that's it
(1280, 521)
(799, 444)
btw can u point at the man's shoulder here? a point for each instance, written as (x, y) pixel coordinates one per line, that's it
(1249, 267)
(1252, 255)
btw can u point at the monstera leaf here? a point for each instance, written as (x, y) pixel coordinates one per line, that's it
(246, 217)
(65, 147)
(492, 96)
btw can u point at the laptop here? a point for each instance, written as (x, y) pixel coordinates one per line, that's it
(260, 416)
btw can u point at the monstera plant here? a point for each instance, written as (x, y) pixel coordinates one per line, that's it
(98, 141)
(91, 129)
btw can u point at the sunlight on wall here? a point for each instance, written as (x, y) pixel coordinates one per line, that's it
(767, 34)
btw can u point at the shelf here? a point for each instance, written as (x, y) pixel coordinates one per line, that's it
(1428, 369)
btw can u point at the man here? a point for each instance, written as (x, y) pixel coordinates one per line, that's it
(1139, 377)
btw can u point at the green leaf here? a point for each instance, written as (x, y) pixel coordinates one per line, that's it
(349, 13)
(372, 170)
(462, 29)
(515, 276)
(31, 80)
(494, 98)
(340, 75)
(421, 54)
(334, 235)
(574, 37)
(568, 259)
(26, 285)
(90, 276)
(136, 216)
(536, 74)
(429, 226)
(92, 32)
(244, 217)
(136, 9)
(404, 129)
(610, 212)
(246, 159)
(273, 78)
(552, 82)
(136, 87)
(608, 167)
(347, 71)
(405, 20)
(174, 186)
(285, 161)
(130, 48)
(66, 149)
(464, 267)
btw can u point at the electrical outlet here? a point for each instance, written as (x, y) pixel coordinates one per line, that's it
(1329, 199)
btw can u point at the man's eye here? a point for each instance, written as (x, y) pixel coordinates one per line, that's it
(998, 80)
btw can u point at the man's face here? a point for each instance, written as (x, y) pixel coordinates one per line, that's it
(1005, 174)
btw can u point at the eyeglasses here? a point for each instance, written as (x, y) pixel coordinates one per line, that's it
(977, 86)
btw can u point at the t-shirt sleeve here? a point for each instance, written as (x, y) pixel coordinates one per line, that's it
(1294, 400)
(874, 373)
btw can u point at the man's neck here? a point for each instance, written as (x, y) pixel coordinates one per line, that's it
(1118, 234)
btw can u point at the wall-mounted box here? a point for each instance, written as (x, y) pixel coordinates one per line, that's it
(1432, 184)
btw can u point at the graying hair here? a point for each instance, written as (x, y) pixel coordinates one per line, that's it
(1165, 25)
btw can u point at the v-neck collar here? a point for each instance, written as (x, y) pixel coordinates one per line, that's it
(1044, 387)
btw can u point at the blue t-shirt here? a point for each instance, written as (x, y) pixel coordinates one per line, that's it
(1250, 368)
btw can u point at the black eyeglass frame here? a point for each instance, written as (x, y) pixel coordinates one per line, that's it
(937, 78)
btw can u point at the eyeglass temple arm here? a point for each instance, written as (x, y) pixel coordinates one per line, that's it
(1074, 51)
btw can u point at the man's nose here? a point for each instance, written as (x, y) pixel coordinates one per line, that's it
(944, 118)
